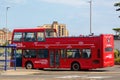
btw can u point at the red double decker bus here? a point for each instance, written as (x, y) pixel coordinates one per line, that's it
(41, 48)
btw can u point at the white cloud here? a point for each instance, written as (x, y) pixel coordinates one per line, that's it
(76, 3)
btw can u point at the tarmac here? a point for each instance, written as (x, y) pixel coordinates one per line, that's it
(34, 73)
(23, 71)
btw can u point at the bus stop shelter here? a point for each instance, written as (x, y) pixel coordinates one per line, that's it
(5, 57)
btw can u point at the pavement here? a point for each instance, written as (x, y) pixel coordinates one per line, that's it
(20, 71)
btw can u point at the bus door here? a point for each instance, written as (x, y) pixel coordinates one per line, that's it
(18, 55)
(18, 58)
(54, 58)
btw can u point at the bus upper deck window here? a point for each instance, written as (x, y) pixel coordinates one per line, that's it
(17, 36)
(29, 36)
(40, 36)
(50, 33)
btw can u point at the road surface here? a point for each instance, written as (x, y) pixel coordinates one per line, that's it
(111, 73)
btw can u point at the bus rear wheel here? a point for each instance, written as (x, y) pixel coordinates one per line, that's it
(29, 65)
(75, 67)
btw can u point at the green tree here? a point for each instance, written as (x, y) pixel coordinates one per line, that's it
(117, 5)
(117, 31)
(117, 56)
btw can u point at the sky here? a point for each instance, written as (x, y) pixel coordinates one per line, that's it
(74, 13)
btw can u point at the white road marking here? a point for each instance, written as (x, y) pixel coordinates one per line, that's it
(91, 77)
(70, 76)
(98, 77)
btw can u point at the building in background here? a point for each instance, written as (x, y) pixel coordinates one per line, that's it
(5, 36)
(60, 28)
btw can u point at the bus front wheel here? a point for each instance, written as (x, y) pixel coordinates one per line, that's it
(29, 65)
(75, 67)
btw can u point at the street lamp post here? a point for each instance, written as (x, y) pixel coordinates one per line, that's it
(7, 25)
(90, 16)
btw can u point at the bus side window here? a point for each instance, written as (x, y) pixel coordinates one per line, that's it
(40, 36)
(73, 53)
(43, 53)
(86, 53)
(69, 53)
(77, 54)
(29, 53)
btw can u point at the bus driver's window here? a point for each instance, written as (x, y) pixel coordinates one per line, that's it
(40, 36)
(17, 36)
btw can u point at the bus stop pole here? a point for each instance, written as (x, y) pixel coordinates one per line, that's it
(5, 68)
(14, 58)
